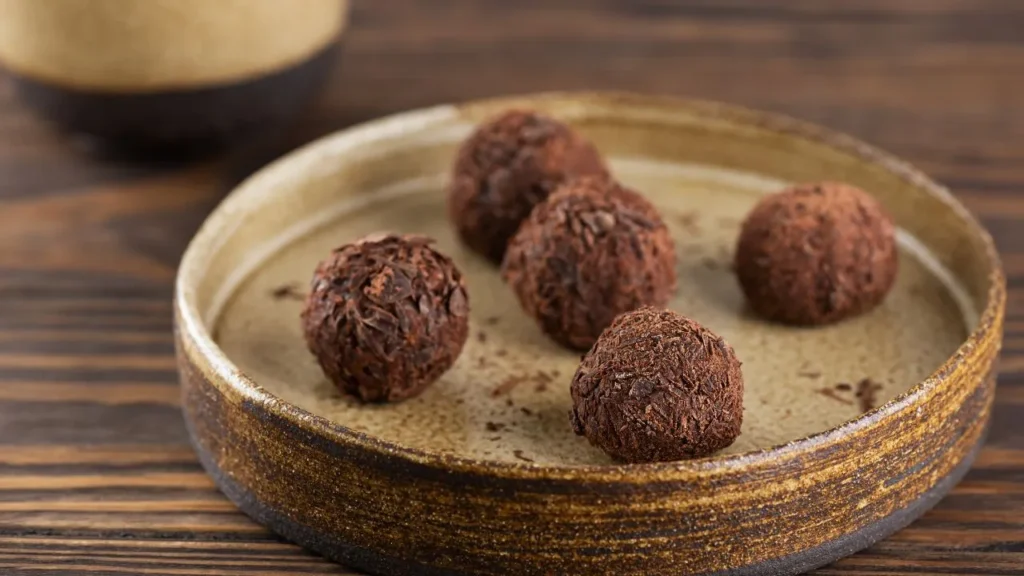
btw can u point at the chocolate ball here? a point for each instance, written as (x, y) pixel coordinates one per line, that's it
(816, 253)
(508, 166)
(592, 251)
(386, 316)
(658, 386)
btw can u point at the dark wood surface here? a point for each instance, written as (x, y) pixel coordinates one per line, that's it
(96, 474)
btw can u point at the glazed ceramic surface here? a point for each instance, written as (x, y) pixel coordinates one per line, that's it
(168, 73)
(850, 431)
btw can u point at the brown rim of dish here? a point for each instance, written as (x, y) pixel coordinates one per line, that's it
(198, 333)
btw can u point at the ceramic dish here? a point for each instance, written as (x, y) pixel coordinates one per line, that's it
(850, 431)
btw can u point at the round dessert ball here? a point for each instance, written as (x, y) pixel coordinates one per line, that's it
(506, 167)
(658, 386)
(816, 253)
(592, 251)
(386, 316)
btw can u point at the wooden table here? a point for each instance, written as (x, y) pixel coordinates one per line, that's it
(96, 473)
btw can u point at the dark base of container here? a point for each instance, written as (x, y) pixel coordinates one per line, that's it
(181, 122)
(374, 563)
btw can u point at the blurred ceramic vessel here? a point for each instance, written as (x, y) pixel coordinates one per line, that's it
(168, 73)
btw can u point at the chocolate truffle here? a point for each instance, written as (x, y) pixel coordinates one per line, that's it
(816, 253)
(658, 386)
(386, 316)
(592, 251)
(508, 166)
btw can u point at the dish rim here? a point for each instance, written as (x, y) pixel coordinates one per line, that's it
(194, 330)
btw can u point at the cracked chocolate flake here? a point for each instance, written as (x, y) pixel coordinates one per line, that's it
(287, 291)
(592, 251)
(816, 253)
(658, 387)
(506, 167)
(386, 316)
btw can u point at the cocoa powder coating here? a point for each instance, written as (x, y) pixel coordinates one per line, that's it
(386, 316)
(816, 253)
(592, 251)
(508, 166)
(658, 386)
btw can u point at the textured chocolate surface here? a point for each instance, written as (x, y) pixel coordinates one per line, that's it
(508, 166)
(592, 251)
(658, 386)
(816, 253)
(386, 316)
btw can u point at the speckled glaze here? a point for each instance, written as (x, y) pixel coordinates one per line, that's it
(809, 480)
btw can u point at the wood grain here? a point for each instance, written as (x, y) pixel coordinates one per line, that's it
(96, 476)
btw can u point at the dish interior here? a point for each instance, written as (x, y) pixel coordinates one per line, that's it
(507, 397)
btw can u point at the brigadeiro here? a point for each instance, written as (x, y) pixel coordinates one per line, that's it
(592, 251)
(386, 316)
(506, 167)
(816, 253)
(658, 386)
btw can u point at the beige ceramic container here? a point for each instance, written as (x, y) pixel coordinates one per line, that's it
(162, 72)
(850, 430)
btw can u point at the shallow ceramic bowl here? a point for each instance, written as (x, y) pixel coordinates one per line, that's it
(850, 431)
